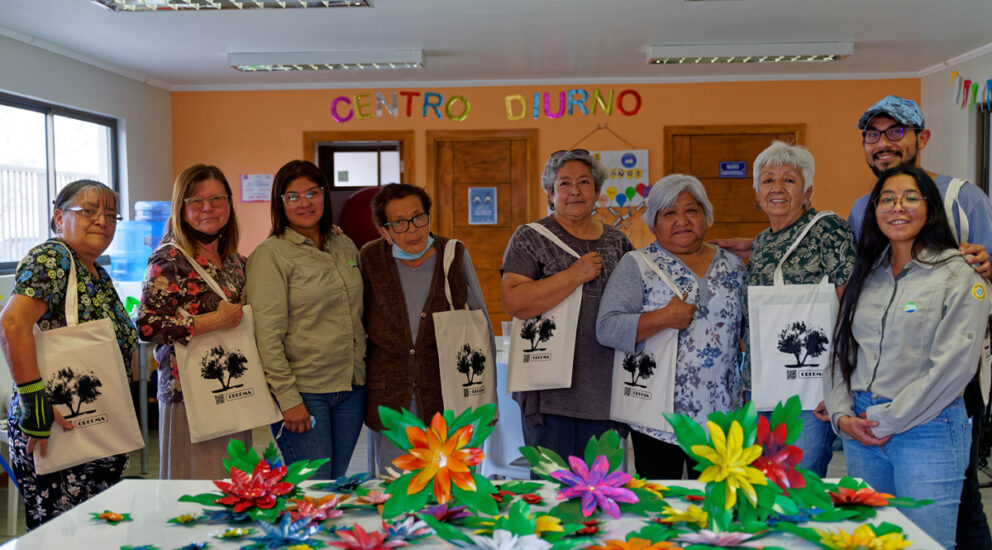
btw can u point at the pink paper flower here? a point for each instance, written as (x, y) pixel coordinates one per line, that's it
(597, 486)
(358, 539)
(724, 539)
(260, 489)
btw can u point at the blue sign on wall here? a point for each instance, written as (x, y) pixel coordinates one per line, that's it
(733, 169)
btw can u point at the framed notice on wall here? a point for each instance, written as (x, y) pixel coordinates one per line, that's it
(482, 206)
(256, 187)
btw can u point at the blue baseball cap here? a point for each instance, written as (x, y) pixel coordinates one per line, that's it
(900, 109)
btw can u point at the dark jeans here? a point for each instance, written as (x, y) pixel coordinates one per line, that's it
(973, 526)
(564, 435)
(655, 459)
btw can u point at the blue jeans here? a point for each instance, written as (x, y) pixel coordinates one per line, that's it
(927, 461)
(338, 419)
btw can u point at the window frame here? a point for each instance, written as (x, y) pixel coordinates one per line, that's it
(325, 150)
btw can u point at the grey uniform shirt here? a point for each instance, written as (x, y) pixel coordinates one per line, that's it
(918, 336)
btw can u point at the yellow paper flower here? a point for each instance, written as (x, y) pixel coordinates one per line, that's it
(731, 462)
(636, 544)
(694, 514)
(653, 488)
(548, 524)
(863, 538)
(440, 459)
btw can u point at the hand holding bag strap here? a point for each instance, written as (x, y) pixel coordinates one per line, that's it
(950, 202)
(199, 270)
(552, 237)
(665, 277)
(71, 292)
(778, 281)
(449, 257)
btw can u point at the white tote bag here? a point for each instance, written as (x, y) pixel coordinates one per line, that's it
(542, 348)
(791, 336)
(85, 377)
(644, 381)
(464, 351)
(223, 382)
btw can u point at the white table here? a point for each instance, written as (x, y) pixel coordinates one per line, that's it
(152, 503)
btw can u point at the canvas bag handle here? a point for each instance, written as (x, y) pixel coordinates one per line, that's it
(665, 277)
(779, 281)
(71, 292)
(449, 258)
(552, 237)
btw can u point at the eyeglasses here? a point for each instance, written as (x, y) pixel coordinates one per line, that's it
(197, 203)
(576, 152)
(402, 226)
(892, 133)
(93, 214)
(910, 202)
(293, 198)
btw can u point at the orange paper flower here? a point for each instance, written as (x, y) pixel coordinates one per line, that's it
(865, 496)
(440, 459)
(635, 543)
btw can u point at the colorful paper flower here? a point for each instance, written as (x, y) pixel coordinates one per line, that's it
(778, 460)
(505, 540)
(532, 498)
(186, 520)
(112, 518)
(317, 509)
(225, 516)
(372, 498)
(408, 529)
(653, 488)
(731, 463)
(440, 459)
(692, 515)
(235, 533)
(446, 514)
(863, 537)
(723, 539)
(590, 527)
(357, 538)
(343, 484)
(197, 545)
(502, 496)
(285, 533)
(259, 489)
(865, 496)
(596, 486)
(635, 543)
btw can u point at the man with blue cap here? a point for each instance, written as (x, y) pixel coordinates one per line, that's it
(893, 132)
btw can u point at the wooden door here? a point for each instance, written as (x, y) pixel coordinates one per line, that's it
(493, 159)
(699, 150)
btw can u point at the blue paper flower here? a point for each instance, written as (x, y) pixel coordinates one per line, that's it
(343, 484)
(408, 529)
(286, 533)
(226, 516)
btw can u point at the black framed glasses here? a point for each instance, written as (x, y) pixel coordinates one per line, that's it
(293, 198)
(93, 214)
(576, 152)
(910, 202)
(215, 201)
(402, 226)
(892, 133)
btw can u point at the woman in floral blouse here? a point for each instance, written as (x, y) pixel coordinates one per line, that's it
(637, 305)
(783, 188)
(204, 225)
(85, 220)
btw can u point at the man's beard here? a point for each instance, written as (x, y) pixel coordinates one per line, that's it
(878, 172)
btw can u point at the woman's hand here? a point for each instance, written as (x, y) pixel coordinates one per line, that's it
(739, 247)
(228, 315)
(860, 429)
(976, 255)
(297, 419)
(42, 443)
(679, 313)
(821, 412)
(588, 267)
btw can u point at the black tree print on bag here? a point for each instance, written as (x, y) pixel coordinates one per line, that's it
(640, 366)
(217, 363)
(798, 339)
(471, 363)
(68, 388)
(538, 330)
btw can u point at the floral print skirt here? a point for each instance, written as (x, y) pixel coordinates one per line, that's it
(46, 496)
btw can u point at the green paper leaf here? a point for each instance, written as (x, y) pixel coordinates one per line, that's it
(443, 530)
(399, 501)
(656, 532)
(571, 511)
(271, 453)
(206, 499)
(517, 520)
(802, 532)
(789, 414)
(239, 457)
(906, 502)
(688, 433)
(520, 487)
(479, 500)
(609, 445)
(570, 543)
(543, 461)
(833, 515)
(682, 492)
(885, 528)
(646, 502)
(480, 419)
(396, 424)
(302, 470)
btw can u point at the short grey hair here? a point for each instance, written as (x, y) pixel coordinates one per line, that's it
(73, 189)
(780, 153)
(551, 168)
(665, 191)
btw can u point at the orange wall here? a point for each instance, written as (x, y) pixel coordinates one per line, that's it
(255, 132)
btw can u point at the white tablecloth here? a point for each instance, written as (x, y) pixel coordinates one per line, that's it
(152, 503)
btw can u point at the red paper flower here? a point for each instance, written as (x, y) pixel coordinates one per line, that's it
(531, 498)
(864, 496)
(778, 460)
(591, 527)
(695, 498)
(358, 539)
(258, 489)
(498, 496)
(440, 459)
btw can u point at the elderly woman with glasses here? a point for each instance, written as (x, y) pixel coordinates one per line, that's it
(783, 189)
(85, 219)
(306, 292)
(538, 274)
(176, 305)
(707, 314)
(404, 285)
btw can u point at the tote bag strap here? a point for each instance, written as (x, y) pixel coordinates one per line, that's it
(449, 258)
(199, 270)
(779, 281)
(71, 292)
(665, 277)
(950, 203)
(552, 237)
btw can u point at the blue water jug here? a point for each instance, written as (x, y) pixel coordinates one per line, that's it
(128, 251)
(155, 213)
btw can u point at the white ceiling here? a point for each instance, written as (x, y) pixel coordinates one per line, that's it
(505, 41)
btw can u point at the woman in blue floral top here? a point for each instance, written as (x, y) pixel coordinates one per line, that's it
(204, 225)
(636, 305)
(85, 220)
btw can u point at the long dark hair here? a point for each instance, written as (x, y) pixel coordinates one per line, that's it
(935, 235)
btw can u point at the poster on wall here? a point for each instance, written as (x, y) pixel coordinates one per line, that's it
(482, 206)
(623, 197)
(256, 187)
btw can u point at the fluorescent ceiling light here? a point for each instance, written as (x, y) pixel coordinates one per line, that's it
(180, 5)
(749, 53)
(325, 61)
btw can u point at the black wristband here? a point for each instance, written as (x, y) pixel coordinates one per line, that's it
(36, 409)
